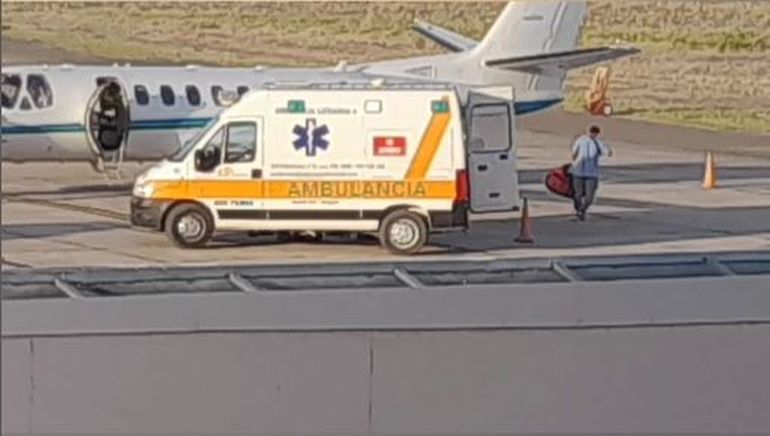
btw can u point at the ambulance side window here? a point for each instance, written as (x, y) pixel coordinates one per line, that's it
(241, 142)
(217, 140)
(209, 157)
(490, 128)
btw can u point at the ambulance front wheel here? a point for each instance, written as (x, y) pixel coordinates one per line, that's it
(403, 232)
(189, 226)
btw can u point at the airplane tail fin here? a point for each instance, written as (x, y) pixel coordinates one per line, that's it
(452, 41)
(531, 46)
(529, 27)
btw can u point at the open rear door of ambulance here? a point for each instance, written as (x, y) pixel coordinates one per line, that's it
(491, 149)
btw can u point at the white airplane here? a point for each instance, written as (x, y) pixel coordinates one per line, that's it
(108, 114)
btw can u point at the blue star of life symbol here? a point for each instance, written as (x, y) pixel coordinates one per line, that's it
(310, 137)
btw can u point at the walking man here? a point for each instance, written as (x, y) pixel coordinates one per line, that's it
(586, 152)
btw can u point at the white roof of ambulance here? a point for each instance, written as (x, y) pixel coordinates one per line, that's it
(256, 98)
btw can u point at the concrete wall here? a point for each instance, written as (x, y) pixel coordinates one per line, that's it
(630, 379)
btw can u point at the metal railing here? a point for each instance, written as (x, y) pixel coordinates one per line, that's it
(95, 283)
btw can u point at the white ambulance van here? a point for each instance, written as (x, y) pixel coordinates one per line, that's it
(400, 161)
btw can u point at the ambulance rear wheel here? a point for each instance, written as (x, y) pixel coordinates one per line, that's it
(189, 226)
(403, 232)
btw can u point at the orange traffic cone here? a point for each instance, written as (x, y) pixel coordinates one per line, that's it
(709, 174)
(525, 228)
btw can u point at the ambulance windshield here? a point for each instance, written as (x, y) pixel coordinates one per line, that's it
(184, 150)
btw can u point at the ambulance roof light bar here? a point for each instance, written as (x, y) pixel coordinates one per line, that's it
(374, 84)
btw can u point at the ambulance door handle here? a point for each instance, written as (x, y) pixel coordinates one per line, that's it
(256, 174)
(503, 157)
(482, 167)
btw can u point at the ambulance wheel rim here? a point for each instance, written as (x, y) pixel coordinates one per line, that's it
(190, 227)
(404, 233)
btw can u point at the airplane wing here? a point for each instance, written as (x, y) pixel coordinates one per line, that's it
(445, 38)
(566, 60)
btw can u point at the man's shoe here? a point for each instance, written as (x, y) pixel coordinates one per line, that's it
(582, 216)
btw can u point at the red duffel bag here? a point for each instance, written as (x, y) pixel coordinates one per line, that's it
(559, 181)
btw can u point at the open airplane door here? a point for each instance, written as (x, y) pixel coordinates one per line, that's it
(492, 150)
(107, 124)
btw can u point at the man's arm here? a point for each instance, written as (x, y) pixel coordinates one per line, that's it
(576, 148)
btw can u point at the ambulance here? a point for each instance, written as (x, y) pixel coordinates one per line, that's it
(397, 160)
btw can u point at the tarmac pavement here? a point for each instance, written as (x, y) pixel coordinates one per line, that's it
(650, 201)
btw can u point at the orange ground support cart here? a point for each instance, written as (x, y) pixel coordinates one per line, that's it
(597, 97)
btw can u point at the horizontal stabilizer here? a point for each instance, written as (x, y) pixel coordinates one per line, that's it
(443, 37)
(566, 60)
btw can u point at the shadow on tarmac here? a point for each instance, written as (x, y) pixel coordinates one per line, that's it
(12, 232)
(645, 223)
(124, 188)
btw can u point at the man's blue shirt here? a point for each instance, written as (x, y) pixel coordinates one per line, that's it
(587, 152)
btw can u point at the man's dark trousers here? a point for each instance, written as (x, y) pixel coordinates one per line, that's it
(585, 190)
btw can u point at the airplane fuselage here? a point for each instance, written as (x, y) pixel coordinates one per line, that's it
(116, 113)
(164, 106)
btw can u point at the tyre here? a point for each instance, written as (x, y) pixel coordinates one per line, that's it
(189, 226)
(403, 232)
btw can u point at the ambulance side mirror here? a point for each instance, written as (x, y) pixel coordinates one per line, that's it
(207, 159)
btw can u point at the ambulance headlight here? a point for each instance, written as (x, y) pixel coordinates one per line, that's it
(144, 190)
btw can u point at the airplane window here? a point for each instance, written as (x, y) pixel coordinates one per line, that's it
(167, 95)
(241, 142)
(141, 95)
(242, 90)
(215, 91)
(25, 104)
(11, 85)
(193, 96)
(39, 90)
